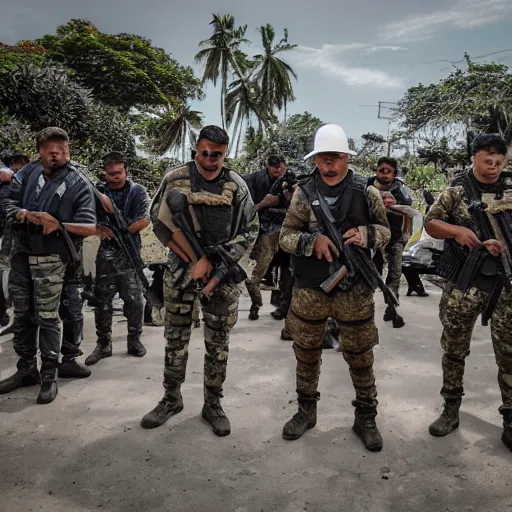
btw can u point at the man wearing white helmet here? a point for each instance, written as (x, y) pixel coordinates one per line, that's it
(360, 217)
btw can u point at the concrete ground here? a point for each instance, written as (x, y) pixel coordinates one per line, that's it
(87, 452)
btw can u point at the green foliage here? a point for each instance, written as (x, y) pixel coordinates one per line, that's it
(442, 155)
(33, 98)
(23, 52)
(45, 97)
(15, 135)
(122, 70)
(475, 98)
(426, 176)
(292, 139)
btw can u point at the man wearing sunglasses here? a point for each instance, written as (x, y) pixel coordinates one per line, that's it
(271, 214)
(215, 214)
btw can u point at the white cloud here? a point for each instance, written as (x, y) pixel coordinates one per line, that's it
(374, 49)
(464, 14)
(329, 61)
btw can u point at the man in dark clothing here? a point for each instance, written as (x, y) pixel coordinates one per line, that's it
(53, 208)
(393, 192)
(271, 215)
(113, 271)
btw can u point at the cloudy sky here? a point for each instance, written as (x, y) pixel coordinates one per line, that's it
(350, 53)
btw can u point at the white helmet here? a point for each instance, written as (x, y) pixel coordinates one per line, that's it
(330, 138)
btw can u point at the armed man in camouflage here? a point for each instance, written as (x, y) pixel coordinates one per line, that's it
(223, 219)
(393, 192)
(53, 208)
(360, 217)
(113, 271)
(271, 212)
(474, 217)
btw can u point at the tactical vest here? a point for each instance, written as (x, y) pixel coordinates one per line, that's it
(454, 256)
(310, 272)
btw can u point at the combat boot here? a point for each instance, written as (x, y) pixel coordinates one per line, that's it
(253, 312)
(449, 419)
(135, 347)
(170, 405)
(398, 321)
(214, 415)
(99, 352)
(507, 432)
(71, 369)
(302, 420)
(23, 378)
(278, 314)
(286, 335)
(366, 428)
(49, 388)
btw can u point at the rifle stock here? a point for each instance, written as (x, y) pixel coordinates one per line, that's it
(334, 279)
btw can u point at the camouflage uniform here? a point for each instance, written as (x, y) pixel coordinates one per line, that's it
(220, 315)
(459, 311)
(263, 253)
(311, 307)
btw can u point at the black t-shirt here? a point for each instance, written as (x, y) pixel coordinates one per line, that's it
(214, 186)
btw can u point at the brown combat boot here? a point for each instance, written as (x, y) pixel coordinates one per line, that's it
(366, 429)
(449, 419)
(170, 405)
(303, 419)
(100, 352)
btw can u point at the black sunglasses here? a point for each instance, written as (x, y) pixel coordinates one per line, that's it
(213, 154)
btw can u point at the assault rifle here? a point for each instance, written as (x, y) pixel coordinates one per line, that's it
(354, 258)
(116, 223)
(477, 258)
(186, 244)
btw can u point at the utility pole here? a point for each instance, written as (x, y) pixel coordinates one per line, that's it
(380, 116)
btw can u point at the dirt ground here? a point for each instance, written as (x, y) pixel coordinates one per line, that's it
(87, 452)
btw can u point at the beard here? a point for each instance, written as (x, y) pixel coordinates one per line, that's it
(383, 181)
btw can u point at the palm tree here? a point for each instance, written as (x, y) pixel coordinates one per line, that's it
(221, 54)
(273, 74)
(180, 132)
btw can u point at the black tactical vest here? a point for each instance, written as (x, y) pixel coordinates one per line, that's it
(310, 272)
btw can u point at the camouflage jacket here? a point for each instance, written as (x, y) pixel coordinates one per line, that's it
(452, 207)
(300, 227)
(244, 227)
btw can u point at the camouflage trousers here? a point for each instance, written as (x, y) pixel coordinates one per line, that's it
(393, 257)
(458, 313)
(35, 287)
(220, 315)
(109, 281)
(70, 312)
(354, 311)
(263, 253)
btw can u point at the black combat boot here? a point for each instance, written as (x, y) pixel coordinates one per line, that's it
(135, 347)
(23, 378)
(398, 321)
(449, 419)
(366, 428)
(170, 405)
(278, 314)
(100, 352)
(253, 312)
(49, 387)
(418, 289)
(275, 298)
(388, 314)
(71, 369)
(214, 415)
(302, 420)
(507, 432)
(286, 335)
